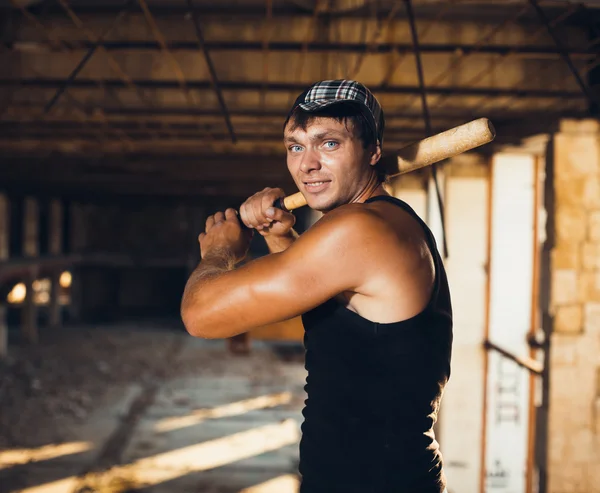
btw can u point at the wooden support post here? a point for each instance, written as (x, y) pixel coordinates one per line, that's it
(77, 243)
(30, 228)
(4, 251)
(76, 303)
(29, 326)
(3, 332)
(55, 248)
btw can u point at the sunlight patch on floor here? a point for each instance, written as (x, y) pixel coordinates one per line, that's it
(171, 465)
(226, 410)
(66, 485)
(14, 457)
(282, 484)
(215, 453)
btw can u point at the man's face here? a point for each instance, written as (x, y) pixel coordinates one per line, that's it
(328, 162)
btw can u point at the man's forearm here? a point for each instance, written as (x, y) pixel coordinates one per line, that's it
(278, 244)
(208, 268)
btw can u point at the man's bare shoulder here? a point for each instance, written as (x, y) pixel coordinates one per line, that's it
(372, 221)
(375, 235)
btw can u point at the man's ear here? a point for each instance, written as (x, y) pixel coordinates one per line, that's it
(375, 155)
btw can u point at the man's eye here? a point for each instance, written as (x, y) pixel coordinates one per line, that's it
(331, 144)
(295, 148)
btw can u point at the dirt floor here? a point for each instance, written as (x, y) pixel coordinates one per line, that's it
(116, 409)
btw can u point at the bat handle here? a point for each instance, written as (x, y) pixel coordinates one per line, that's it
(291, 202)
(280, 204)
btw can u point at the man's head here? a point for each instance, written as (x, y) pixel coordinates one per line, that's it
(333, 136)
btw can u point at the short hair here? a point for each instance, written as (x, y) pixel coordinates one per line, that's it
(345, 113)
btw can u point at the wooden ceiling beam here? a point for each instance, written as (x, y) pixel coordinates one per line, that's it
(516, 50)
(238, 86)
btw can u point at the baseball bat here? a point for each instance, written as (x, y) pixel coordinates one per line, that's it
(423, 153)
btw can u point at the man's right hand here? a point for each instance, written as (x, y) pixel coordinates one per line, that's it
(259, 213)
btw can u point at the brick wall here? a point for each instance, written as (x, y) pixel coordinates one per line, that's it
(574, 420)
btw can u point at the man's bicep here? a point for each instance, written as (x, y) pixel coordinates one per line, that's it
(279, 286)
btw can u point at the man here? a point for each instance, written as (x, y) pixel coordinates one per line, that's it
(372, 291)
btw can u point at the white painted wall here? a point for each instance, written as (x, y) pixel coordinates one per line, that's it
(461, 416)
(416, 198)
(433, 217)
(511, 281)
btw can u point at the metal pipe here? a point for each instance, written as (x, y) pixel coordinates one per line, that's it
(484, 39)
(444, 114)
(266, 50)
(55, 40)
(111, 59)
(171, 10)
(156, 32)
(372, 46)
(529, 364)
(71, 129)
(212, 71)
(396, 63)
(49, 82)
(86, 58)
(481, 104)
(426, 116)
(315, 47)
(591, 97)
(304, 49)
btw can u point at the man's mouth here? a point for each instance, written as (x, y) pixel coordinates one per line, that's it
(316, 186)
(315, 183)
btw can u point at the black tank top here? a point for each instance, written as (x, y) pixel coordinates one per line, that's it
(373, 394)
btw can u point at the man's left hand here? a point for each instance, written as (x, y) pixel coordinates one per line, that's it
(224, 237)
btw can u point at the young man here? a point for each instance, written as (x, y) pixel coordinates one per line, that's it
(372, 291)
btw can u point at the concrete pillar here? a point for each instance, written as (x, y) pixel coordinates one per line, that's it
(55, 248)
(4, 251)
(29, 327)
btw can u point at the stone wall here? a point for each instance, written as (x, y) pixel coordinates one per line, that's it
(574, 419)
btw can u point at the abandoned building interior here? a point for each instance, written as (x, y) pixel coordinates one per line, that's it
(126, 123)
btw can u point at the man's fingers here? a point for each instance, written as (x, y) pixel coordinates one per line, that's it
(210, 222)
(244, 215)
(277, 214)
(231, 214)
(219, 217)
(268, 201)
(252, 222)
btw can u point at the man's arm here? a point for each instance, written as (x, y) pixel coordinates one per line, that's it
(277, 244)
(324, 261)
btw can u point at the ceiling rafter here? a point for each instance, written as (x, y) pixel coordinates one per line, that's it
(165, 84)
(497, 49)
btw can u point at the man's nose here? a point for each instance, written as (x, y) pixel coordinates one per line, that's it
(310, 161)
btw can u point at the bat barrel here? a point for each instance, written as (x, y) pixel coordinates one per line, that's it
(424, 153)
(444, 145)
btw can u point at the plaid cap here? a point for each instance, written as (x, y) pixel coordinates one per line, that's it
(328, 92)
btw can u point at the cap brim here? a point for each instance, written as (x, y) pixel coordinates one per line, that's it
(324, 103)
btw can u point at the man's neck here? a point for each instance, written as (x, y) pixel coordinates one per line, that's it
(372, 188)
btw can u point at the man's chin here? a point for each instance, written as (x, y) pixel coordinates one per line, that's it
(321, 204)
